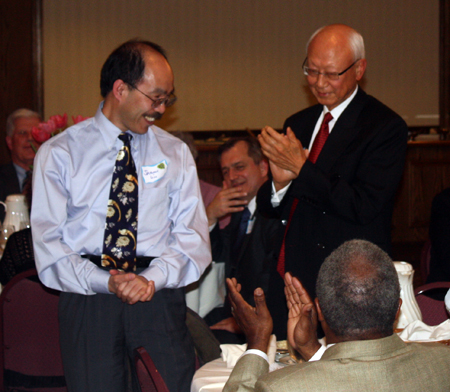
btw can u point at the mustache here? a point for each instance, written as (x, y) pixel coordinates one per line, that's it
(156, 115)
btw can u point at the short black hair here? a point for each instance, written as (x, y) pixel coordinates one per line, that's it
(254, 149)
(126, 63)
(358, 290)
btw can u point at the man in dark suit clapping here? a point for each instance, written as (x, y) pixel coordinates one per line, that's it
(335, 169)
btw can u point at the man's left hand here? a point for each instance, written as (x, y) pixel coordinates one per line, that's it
(283, 150)
(255, 322)
(302, 321)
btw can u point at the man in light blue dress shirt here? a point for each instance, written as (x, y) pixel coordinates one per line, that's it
(105, 314)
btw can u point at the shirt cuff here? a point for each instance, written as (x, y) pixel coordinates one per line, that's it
(100, 279)
(278, 196)
(257, 352)
(318, 355)
(153, 272)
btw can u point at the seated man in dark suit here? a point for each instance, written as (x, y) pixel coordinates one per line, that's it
(18, 138)
(246, 245)
(440, 238)
(358, 299)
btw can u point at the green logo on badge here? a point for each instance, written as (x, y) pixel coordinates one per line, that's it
(161, 166)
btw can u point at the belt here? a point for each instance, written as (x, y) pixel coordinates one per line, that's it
(141, 262)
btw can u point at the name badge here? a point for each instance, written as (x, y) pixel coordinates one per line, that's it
(153, 173)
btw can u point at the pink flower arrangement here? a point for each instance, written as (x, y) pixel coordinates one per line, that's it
(56, 124)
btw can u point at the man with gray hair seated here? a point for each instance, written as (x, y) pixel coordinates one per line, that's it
(18, 139)
(358, 300)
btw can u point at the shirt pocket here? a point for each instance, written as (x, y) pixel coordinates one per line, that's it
(153, 207)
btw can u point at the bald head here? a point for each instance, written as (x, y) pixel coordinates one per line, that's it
(128, 63)
(343, 34)
(335, 63)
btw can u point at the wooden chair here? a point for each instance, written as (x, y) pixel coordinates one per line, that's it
(430, 298)
(30, 358)
(150, 379)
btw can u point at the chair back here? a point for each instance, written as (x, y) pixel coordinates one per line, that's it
(430, 298)
(30, 356)
(150, 379)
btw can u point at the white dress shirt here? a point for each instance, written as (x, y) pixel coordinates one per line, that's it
(71, 186)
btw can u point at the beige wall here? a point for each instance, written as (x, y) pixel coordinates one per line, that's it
(237, 62)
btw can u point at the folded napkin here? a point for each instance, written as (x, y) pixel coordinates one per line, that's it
(232, 352)
(418, 331)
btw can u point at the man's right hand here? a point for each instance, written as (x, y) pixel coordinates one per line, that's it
(255, 322)
(302, 321)
(130, 288)
(227, 201)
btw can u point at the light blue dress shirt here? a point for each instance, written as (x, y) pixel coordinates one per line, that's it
(71, 185)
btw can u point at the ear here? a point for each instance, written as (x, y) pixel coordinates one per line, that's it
(264, 167)
(319, 311)
(399, 308)
(120, 90)
(9, 142)
(361, 68)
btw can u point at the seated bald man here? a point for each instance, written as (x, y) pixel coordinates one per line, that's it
(358, 299)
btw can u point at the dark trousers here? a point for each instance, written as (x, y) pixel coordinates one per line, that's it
(99, 333)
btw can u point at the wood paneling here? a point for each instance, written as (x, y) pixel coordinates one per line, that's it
(427, 172)
(20, 61)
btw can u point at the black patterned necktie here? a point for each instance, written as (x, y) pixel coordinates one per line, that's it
(120, 240)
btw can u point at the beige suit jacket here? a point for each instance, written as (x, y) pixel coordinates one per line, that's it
(386, 364)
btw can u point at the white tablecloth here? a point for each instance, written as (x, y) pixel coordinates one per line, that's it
(211, 377)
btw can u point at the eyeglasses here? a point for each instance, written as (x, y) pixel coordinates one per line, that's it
(167, 102)
(314, 73)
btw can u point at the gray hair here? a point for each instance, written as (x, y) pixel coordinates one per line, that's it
(358, 290)
(19, 113)
(355, 40)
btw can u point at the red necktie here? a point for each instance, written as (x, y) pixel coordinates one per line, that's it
(321, 138)
(319, 142)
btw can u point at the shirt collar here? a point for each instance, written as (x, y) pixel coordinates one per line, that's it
(252, 206)
(338, 110)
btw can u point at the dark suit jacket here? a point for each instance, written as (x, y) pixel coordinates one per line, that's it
(386, 364)
(251, 266)
(440, 238)
(9, 184)
(348, 193)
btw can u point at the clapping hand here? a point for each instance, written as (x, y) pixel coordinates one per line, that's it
(302, 321)
(285, 153)
(255, 322)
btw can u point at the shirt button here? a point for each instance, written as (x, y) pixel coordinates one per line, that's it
(284, 222)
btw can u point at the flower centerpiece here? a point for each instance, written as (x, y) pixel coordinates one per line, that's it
(55, 124)
(44, 131)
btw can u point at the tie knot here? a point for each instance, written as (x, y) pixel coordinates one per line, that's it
(328, 117)
(125, 137)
